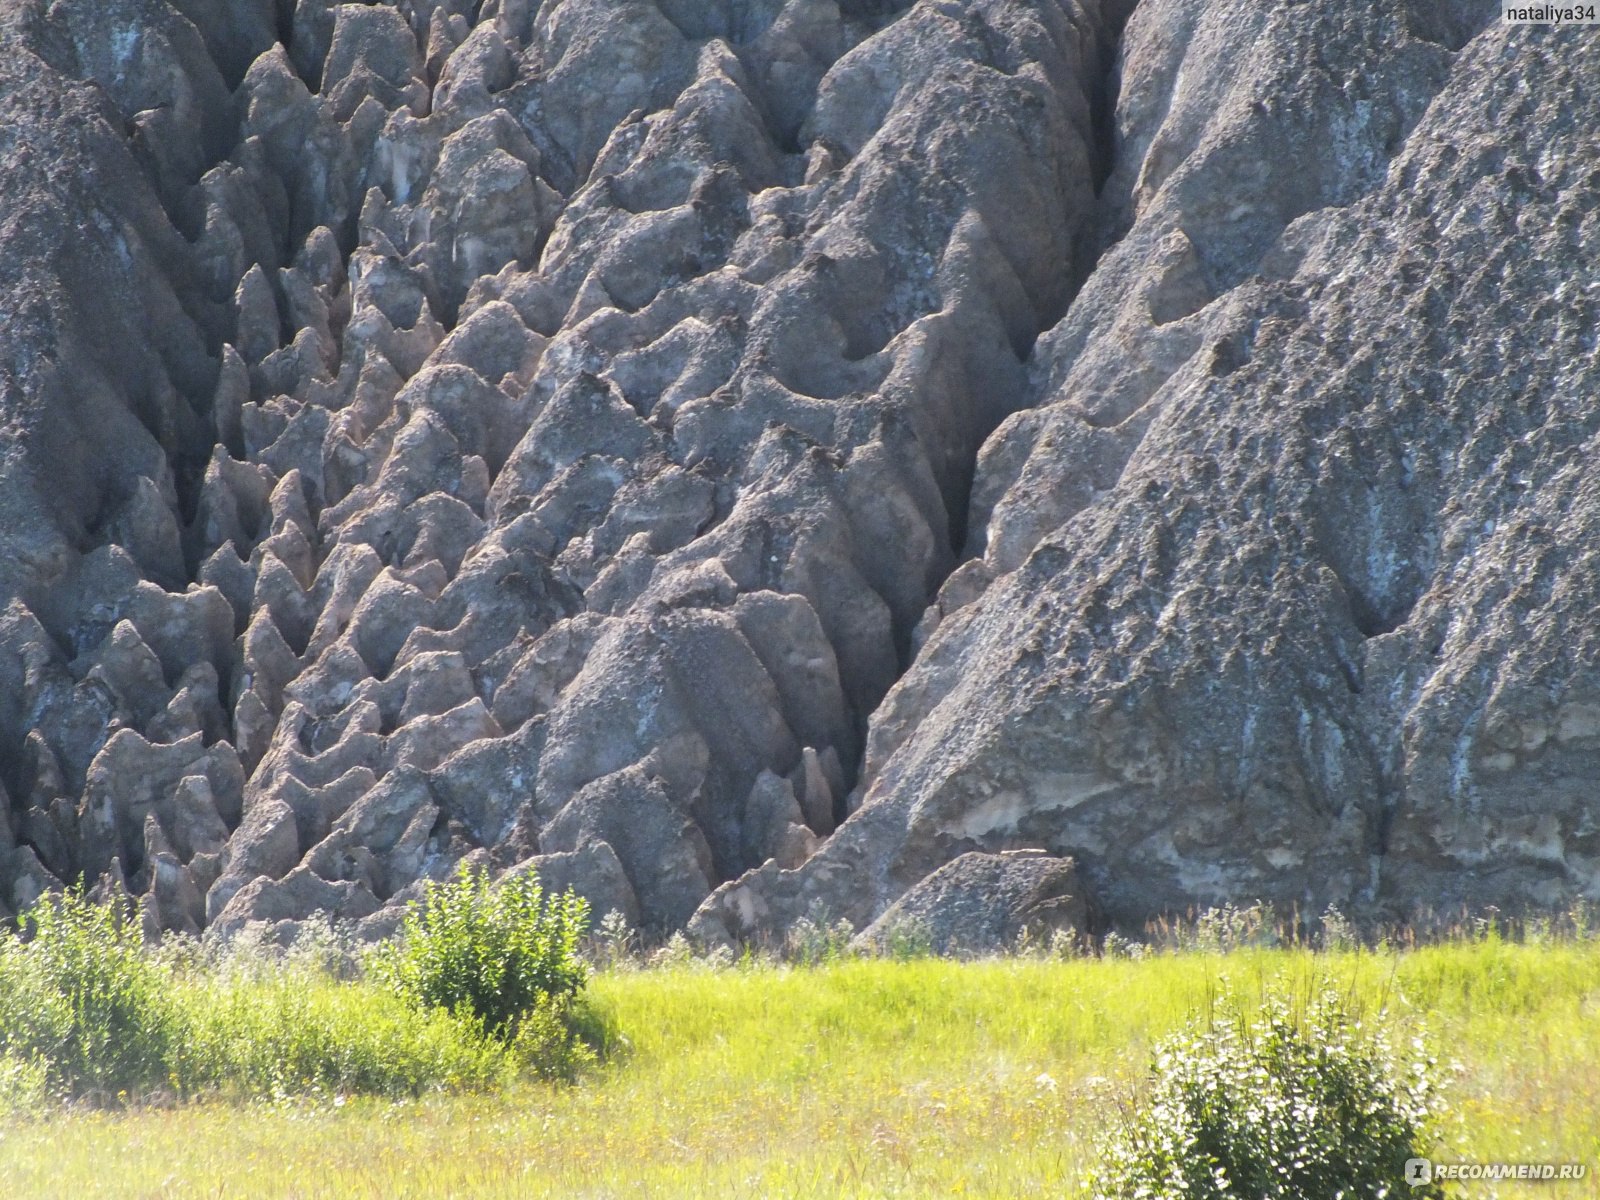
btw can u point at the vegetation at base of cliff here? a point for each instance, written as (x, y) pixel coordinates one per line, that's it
(1302, 1101)
(89, 1014)
(876, 1078)
(494, 953)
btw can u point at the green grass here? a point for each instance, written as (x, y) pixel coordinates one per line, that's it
(298, 1031)
(863, 1079)
(484, 985)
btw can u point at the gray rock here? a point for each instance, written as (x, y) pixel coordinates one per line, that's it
(593, 872)
(175, 902)
(132, 780)
(381, 840)
(1259, 643)
(982, 903)
(487, 783)
(774, 827)
(265, 847)
(299, 894)
(663, 852)
(29, 879)
(643, 437)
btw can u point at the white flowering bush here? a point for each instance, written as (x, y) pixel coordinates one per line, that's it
(1288, 1106)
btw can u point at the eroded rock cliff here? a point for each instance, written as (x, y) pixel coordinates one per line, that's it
(740, 458)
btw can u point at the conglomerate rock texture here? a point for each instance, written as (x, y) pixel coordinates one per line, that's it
(740, 458)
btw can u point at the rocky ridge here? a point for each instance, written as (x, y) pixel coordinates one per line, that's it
(633, 441)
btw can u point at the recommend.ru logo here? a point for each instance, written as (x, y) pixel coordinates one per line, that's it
(1423, 1171)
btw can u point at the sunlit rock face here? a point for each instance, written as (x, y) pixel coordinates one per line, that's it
(737, 459)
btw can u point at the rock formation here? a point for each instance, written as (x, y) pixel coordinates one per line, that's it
(738, 458)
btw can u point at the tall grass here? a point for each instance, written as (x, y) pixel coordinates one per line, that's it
(89, 1013)
(869, 1078)
(299, 1032)
(82, 1004)
(853, 1077)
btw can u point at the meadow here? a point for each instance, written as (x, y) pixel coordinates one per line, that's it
(863, 1078)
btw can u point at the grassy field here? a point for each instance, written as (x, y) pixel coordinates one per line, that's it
(864, 1079)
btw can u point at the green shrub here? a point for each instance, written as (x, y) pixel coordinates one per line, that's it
(81, 998)
(906, 939)
(1306, 1106)
(559, 1040)
(24, 1085)
(1232, 928)
(615, 945)
(494, 954)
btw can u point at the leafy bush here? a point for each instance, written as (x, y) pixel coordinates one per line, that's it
(615, 945)
(559, 1040)
(906, 939)
(1338, 932)
(24, 1085)
(81, 999)
(676, 951)
(1233, 927)
(495, 954)
(1287, 1107)
(1114, 945)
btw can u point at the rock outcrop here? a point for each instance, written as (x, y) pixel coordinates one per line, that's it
(987, 903)
(737, 459)
(1276, 587)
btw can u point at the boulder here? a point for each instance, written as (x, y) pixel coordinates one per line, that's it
(299, 895)
(593, 872)
(983, 903)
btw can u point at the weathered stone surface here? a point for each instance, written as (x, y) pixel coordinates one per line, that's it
(175, 900)
(594, 872)
(1281, 620)
(29, 879)
(982, 903)
(663, 852)
(293, 898)
(774, 826)
(747, 456)
(132, 780)
(381, 840)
